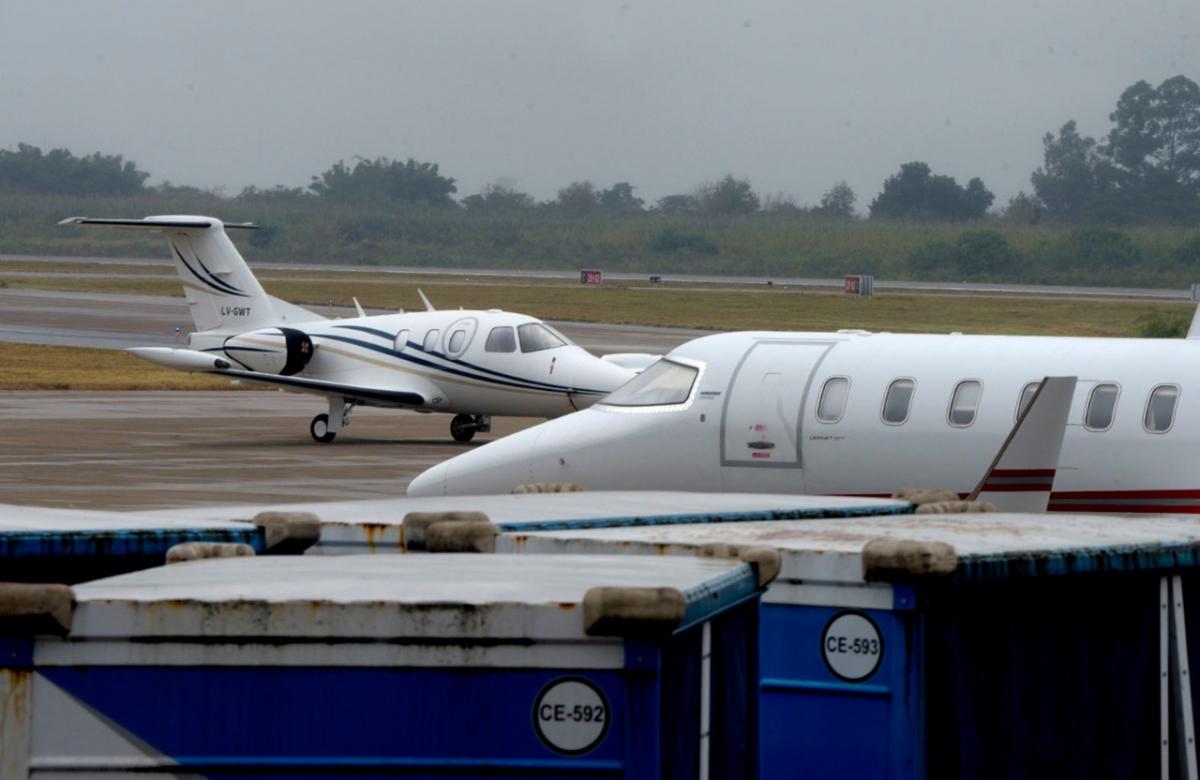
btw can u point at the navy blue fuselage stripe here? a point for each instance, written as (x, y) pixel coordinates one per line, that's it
(465, 364)
(523, 384)
(221, 283)
(430, 364)
(202, 279)
(217, 279)
(212, 278)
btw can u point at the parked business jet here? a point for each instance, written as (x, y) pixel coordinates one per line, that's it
(470, 363)
(858, 413)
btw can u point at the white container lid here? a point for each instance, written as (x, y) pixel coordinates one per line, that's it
(967, 546)
(461, 597)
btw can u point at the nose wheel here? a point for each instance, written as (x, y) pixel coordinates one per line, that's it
(464, 426)
(326, 426)
(319, 428)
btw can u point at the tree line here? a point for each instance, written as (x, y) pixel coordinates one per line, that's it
(1145, 170)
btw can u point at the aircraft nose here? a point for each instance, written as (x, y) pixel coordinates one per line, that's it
(598, 449)
(430, 482)
(497, 467)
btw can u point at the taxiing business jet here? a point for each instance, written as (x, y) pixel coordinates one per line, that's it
(859, 413)
(472, 364)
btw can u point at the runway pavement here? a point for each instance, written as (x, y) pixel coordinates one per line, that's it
(179, 449)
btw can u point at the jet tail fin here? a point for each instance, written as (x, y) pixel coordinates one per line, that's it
(1022, 473)
(221, 291)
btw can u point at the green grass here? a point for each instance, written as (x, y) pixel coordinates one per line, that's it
(35, 367)
(694, 307)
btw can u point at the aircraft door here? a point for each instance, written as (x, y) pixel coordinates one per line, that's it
(762, 419)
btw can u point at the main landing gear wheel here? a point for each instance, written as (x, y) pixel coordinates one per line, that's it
(462, 427)
(319, 428)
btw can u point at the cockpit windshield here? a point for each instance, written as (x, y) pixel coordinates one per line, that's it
(663, 383)
(535, 337)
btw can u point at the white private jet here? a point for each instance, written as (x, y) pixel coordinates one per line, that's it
(470, 363)
(858, 413)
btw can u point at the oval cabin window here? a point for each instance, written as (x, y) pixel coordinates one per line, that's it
(964, 403)
(401, 340)
(897, 401)
(1026, 398)
(430, 342)
(1160, 409)
(832, 403)
(1102, 405)
(457, 341)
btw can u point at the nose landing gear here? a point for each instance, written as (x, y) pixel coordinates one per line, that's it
(464, 426)
(319, 428)
(324, 427)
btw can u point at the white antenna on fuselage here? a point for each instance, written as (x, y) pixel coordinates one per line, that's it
(428, 305)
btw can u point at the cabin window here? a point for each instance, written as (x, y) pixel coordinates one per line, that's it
(665, 382)
(1160, 409)
(832, 403)
(964, 403)
(431, 339)
(1102, 405)
(501, 339)
(897, 401)
(1026, 398)
(458, 340)
(535, 337)
(401, 340)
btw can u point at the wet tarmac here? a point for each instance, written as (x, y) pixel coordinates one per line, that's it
(178, 449)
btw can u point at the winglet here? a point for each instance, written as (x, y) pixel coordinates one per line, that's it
(1194, 328)
(428, 305)
(359, 307)
(1022, 474)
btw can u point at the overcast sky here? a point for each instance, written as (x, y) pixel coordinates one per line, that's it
(666, 95)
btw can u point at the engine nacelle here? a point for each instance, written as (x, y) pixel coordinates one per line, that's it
(283, 351)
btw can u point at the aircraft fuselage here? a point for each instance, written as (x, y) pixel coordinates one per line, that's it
(750, 421)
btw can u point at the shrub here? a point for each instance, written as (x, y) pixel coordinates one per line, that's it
(671, 239)
(1157, 325)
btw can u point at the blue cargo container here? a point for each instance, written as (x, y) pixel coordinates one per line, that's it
(982, 645)
(68, 546)
(370, 666)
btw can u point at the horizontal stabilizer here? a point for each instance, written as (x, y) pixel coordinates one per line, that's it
(1021, 476)
(159, 223)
